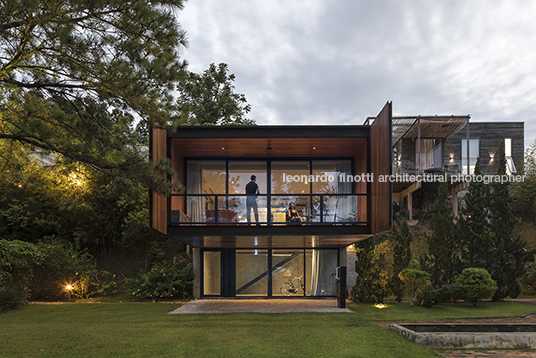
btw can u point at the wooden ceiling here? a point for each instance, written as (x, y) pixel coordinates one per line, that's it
(268, 147)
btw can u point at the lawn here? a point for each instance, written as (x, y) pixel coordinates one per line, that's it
(144, 330)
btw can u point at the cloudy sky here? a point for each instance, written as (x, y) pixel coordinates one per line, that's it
(340, 61)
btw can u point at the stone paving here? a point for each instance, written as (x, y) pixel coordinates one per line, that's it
(260, 306)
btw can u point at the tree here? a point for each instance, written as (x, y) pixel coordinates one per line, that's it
(509, 254)
(76, 74)
(401, 257)
(524, 193)
(443, 261)
(372, 276)
(413, 279)
(209, 99)
(477, 284)
(473, 224)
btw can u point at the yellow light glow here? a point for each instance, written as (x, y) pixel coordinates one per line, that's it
(69, 287)
(380, 305)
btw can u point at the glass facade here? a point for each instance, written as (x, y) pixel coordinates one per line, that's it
(308, 272)
(215, 193)
(251, 272)
(212, 273)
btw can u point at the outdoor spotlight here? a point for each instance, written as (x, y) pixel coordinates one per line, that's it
(69, 289)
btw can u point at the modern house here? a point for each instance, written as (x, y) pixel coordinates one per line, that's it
(321, 169)
(426, 147)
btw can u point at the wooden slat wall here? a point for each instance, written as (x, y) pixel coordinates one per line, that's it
(381, 159)
(159, 219)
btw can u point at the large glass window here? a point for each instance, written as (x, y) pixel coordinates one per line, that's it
(205, 178)
(474, 148)
(217, 187)
(430, 155)
(251, 272)
(331, 177)
(288, 267)
(321, 266)
(211, 273)
(307, 272)
(510, 166)
(240, 173)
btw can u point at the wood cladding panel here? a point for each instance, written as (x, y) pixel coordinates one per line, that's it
(159, 219)
(380, 164)
(268, 147)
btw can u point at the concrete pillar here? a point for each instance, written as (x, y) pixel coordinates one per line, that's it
(196, 259)
(410, 205)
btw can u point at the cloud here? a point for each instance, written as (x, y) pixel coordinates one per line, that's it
(319, 62)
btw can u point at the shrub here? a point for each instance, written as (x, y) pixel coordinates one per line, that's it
(477, 283)
(61, 265)
(413, 279)
(164, 280)
(10, 299)
(451, 292)
(17, 260)
(94, 283)
(426, 295)
(529, 278)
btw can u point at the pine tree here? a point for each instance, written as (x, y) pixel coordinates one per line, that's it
(401, 257)
(509, 254)
(473, 224)
(443, 261)
(75, 76)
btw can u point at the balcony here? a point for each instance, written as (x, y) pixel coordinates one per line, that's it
(231, 210)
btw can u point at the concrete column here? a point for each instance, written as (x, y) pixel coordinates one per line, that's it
(196, 259)
(410, 205)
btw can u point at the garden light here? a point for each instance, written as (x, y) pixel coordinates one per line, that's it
(69, 289)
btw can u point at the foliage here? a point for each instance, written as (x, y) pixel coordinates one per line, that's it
(524, 193)
(372, 283)
(477, 284)
(94, 283)
(426, 295)
(528, 280)
(413, 279)
(442, 260)
(474, 230)
(209, 98)
(10, 299)
(40, 202)
(509, 255)
(401, 257)
(75, 77)
(17, 259)
(60, 264)
(164, 280)
(448, 293)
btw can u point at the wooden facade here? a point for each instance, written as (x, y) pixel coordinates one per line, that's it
(381, 166)
(158, 207)
(368, 148)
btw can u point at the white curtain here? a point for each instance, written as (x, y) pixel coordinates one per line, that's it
(194, 185)
(324, 265)
(345, 209)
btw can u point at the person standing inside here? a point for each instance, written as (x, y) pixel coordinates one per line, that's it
(252, 190)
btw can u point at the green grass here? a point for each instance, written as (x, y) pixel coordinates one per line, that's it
(144, 330)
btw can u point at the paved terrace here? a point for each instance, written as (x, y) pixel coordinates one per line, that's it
(260, 306)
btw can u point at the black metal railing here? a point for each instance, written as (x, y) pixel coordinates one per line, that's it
(272, 209)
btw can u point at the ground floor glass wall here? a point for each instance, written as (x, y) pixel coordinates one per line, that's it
(270, 273)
